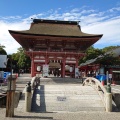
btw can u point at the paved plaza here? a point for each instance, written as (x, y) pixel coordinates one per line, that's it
(94, 115)
(61, 95)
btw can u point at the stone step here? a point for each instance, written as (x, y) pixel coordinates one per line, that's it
(66, 92)
(67, 109)
(80, 103)
(56, 80)
(64, 87)
(53, 98)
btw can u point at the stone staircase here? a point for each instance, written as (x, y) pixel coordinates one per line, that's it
(58, 80)
(66, 98)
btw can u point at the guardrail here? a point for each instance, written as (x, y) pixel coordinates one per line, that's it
(106, 95)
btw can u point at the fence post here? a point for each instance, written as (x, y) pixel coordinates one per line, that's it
(28, 98)
(10, 96)
(108, 99)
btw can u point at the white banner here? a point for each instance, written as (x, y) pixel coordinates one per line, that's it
(45, 70)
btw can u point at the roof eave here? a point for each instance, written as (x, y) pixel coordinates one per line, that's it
(17, 32)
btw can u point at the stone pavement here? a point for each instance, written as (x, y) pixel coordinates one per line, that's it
(63, 115)
(83, 115)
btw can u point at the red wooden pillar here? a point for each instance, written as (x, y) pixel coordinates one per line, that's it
(76, 65)
(32, 67)
(46, 60)
(63, 68)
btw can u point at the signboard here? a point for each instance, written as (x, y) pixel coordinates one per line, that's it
(71, 69)
(3, 61)
(45, 70)
(101, 70)
(110, 76)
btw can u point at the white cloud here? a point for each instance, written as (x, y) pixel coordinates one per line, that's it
(110, 30)
(75, 10)
(10, 17)
(6, 39)
(114, 9)
(87, 11)
(92, 21)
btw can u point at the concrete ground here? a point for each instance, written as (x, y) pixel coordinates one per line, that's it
(61, 116)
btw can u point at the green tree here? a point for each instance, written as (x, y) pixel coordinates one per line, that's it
(109, 58)
(91, 53)
(22, 57)
(21, 60)
(105, 59)
(2, 51)
(106, 49)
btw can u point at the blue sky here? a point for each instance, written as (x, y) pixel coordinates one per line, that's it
(96, 16)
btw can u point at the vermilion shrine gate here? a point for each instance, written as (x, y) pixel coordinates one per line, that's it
(53, 40)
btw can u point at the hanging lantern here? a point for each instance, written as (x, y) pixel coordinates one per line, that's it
(38, 68)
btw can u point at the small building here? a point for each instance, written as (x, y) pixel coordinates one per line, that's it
(93, 67)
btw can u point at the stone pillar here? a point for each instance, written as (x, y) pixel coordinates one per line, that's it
(107, 76)
(28, 98)
(108, 98)
(108, 102)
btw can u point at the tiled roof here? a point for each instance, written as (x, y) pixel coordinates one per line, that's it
(55, 28)
(115, 52)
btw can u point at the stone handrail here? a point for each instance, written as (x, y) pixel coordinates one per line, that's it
(94, 83)
(30, 91)
(105, 96)
(35, 82)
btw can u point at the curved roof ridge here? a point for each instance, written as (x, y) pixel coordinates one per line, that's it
(55, 21)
